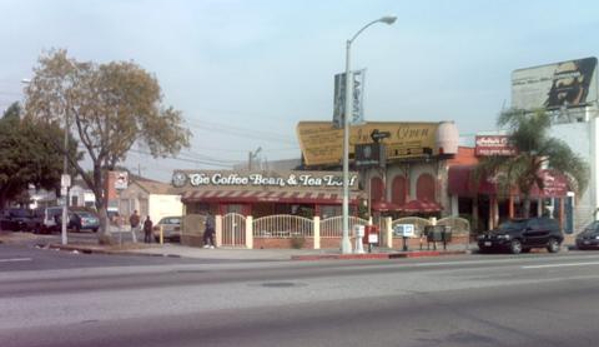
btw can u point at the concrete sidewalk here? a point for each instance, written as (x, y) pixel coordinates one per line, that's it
(180, 251)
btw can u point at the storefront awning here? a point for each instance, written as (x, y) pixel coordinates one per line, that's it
(421, 206)
(461, 182)
(251, 196)
(384, 206)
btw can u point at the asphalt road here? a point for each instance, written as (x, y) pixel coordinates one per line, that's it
(493, 300)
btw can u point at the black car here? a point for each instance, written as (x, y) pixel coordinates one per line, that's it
(16, 219)
(521, 235)
(589, 237)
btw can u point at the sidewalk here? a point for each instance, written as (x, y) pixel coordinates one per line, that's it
(236, 254)
(180, 251)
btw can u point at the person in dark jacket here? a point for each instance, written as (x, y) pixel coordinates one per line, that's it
(209, 231)
(148, 230)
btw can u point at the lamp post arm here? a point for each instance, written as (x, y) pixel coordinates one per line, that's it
(360, 31)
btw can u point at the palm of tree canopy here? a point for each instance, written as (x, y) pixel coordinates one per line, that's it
(528, 133)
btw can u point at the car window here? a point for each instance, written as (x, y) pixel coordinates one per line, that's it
(512, 225)
(533, 224)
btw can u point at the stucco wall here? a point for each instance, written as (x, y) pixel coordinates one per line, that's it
(162, 205)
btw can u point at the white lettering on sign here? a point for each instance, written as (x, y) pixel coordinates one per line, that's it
(256, 179)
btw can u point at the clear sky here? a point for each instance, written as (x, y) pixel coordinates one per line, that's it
(245, 72)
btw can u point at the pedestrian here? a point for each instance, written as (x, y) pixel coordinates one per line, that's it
(148, 230)
(134, 221)
(209, 231)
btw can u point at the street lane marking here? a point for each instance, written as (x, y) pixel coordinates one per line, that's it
(14, 260)
(557, 265)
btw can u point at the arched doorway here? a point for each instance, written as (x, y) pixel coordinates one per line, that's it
(425, 187)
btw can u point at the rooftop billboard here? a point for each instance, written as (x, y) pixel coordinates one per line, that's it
(571, 83)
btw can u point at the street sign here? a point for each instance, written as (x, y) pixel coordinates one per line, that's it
(376, 135)
(122, 178)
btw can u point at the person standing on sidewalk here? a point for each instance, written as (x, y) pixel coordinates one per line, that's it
(134, 222)
(209, 231)
(148, 230)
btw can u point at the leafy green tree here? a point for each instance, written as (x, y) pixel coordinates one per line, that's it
(109, 107)
(528, 133)
(27, 156)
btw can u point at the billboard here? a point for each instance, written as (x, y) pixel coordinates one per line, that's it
(489, 145)
(322, 144)
(357, 102)
(570, 83)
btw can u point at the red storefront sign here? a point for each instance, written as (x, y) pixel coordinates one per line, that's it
(489, 145)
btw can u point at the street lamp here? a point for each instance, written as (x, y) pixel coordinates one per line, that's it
(345, 243)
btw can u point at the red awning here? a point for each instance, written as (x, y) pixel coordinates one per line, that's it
(416, 206)
(251, 196)
(461, 182)
(383, 206)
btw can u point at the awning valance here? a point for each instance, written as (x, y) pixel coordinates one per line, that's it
(279, 196)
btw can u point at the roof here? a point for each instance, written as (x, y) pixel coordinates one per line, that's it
(155, 187)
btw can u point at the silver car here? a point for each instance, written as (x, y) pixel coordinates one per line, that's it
(171, 229)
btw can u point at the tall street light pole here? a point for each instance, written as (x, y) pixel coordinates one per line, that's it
(345, 243)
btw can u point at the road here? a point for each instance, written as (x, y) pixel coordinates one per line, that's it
(476, 300)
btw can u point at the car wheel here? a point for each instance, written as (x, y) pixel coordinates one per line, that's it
(553, 246)
(516, 247)
(526, 250)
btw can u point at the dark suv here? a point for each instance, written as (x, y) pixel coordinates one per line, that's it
(521, 235)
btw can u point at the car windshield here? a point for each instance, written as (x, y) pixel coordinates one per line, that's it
(512, 225)
(170, 220)
(85, 215)
(591, 228)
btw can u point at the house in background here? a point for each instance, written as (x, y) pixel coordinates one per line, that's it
(149, 197)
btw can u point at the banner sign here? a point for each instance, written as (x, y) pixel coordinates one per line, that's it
(322, 144)
(489, 145)
(262, 179)
(566, 84)
(357, 116)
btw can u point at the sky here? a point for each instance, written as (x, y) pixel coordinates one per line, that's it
(245, 72)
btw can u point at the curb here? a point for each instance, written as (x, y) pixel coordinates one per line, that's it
(98, 250)
(378, 256)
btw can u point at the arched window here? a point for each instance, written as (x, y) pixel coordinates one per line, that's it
(377, 189)
(399, 190)
(425, 187)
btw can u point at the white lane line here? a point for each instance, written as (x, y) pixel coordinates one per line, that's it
(14, 260)
(557, 265)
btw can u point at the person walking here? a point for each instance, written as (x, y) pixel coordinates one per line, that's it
(148, 230)
(209, 231)
(134, 222)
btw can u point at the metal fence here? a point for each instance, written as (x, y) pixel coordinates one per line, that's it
(283, 226)
(333, 227)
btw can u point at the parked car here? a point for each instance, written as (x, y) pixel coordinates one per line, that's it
(80, 220)
(589, 237)
(16, 219)
(47, 219)
(521, 235)
(171, 228)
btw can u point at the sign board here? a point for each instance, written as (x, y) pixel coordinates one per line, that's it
(490, 145)
(264, 179)
(404, 230)
(121, 180)
(322, 144)
(371, 155)
(373, 237)
(570, 83)
(357, 115)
